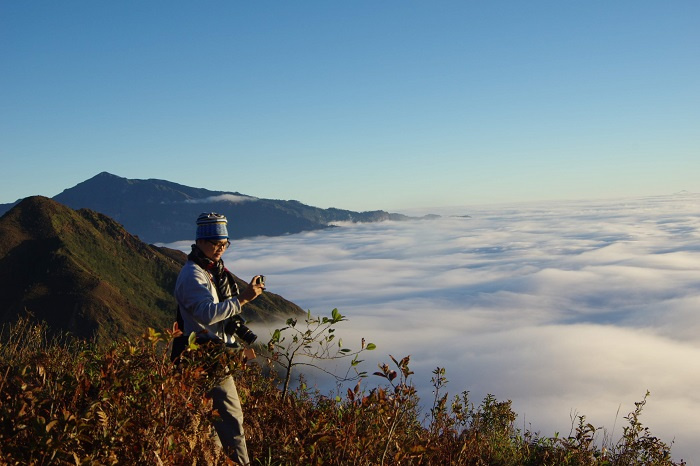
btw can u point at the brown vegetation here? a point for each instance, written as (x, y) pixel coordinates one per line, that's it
(67, 401)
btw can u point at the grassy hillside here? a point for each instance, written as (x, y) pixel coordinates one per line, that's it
(82, 272)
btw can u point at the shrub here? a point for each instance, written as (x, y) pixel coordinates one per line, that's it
(67, 401)
(72, 402)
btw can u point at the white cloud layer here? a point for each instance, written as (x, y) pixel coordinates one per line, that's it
(221, 198)
(563, 308)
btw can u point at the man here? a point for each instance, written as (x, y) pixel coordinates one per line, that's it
(208, 298)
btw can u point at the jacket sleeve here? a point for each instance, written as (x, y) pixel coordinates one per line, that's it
(194, 291)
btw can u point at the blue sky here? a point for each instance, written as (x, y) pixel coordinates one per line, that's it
(360, 105)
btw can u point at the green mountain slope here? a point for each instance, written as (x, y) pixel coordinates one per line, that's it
(82, 272)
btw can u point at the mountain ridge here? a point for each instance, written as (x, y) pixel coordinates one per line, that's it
(160, 211)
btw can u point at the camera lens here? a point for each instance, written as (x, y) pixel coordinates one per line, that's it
(235, 326)
(245, 334)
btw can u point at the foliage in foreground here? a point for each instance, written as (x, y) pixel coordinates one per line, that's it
(71, 402)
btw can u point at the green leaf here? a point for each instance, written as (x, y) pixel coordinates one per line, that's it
(337, 316)
(371, 346)
(192, 341)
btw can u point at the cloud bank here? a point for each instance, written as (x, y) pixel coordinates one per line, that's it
(567, 308)
(234, 198)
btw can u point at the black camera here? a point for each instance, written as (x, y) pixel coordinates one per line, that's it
(261, 280)
(236, 326)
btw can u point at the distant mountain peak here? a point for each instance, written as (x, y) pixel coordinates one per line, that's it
(163, 211)
(107, 175)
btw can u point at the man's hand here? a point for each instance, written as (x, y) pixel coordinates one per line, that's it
(255, 289)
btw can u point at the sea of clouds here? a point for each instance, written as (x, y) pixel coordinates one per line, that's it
(565, 308)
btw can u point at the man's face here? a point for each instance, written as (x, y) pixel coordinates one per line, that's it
(213, 249)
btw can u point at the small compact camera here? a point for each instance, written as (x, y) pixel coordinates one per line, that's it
(261, 280)
(236, 326)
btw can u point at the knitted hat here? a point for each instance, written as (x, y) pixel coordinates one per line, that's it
(211, 226)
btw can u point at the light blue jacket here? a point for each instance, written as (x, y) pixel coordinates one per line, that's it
(199, 304)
